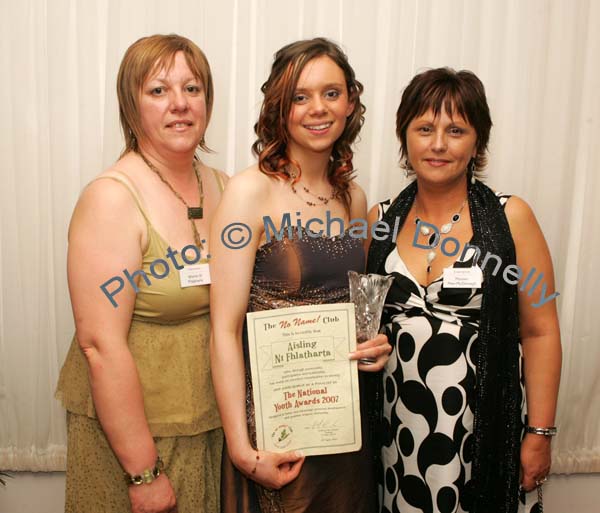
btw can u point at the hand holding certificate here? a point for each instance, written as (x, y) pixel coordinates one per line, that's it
(305, 388)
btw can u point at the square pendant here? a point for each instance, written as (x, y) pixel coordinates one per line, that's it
(194, 212)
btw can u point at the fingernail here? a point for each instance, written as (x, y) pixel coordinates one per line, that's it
(299, 454)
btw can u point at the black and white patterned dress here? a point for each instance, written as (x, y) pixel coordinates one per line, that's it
(429, 384)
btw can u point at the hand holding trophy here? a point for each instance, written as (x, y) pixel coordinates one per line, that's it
(368, 292)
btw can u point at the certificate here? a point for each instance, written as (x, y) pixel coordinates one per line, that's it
(305, 388)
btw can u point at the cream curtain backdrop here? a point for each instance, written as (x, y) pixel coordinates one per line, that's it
(59, 59)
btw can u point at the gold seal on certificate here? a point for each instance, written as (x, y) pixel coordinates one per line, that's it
(305, 388)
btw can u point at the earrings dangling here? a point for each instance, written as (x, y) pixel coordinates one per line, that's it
(471, 171)
(133, 139)
(406, 166)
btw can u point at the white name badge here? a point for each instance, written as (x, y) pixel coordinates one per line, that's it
(462, 278)
(194, 275)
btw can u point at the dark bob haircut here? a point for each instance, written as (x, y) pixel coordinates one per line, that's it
(459, 93)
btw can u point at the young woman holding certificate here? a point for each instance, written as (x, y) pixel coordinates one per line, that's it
(310, 116)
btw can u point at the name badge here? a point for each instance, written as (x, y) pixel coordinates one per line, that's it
(462, 278)
(194, 275)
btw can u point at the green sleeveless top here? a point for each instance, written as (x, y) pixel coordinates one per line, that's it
(169, 340)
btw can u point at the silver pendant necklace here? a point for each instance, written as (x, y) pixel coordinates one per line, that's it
(444, 230)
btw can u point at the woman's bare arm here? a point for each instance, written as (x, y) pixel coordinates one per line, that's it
(104, 238)
(540, 336)
(231, 274)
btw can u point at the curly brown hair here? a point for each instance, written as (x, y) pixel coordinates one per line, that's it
(271, 128)
(457, 92)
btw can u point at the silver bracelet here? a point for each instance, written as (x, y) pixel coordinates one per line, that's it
(545, 431)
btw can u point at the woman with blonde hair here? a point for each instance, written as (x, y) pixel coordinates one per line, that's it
(143, 428)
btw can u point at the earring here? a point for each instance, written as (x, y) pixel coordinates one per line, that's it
(405, 164)
(292, 173)
(471, 171)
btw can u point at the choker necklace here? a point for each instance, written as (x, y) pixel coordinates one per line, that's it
(192, 212)
(444, 229)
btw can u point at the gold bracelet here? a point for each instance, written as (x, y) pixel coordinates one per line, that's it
(147, 476)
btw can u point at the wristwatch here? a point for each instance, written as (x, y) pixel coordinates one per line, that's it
(545, 431)
(147, 476)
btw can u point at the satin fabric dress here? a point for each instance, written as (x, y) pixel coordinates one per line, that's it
(289, 272)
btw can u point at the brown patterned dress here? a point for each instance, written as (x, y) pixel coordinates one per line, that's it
(292, 272)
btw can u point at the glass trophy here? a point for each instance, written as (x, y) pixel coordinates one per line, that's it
(368, 292)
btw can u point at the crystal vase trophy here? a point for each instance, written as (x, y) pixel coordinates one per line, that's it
(367, 292)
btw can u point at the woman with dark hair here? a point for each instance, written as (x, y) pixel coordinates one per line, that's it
(309, 119)
(459, 325)
(142, 424)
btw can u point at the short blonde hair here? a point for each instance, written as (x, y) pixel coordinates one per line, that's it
(141, 59)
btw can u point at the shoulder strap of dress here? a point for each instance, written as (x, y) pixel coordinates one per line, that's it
(219, 179)
(123, 179)
(502, 197)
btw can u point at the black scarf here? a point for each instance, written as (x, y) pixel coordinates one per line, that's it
(497, 421)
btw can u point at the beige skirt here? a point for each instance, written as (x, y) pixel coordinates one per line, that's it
(95, 481)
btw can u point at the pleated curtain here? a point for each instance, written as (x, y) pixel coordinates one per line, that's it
(538, 60)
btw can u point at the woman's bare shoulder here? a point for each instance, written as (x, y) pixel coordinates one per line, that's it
(107, 197)
(252, 183)
(358, 198)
